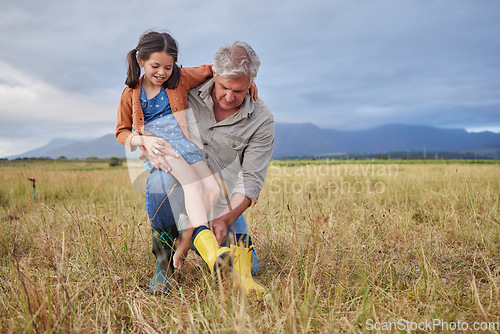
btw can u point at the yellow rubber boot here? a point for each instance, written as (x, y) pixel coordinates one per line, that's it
(213, 255)
(241, 272)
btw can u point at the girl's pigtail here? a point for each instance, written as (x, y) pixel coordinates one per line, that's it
(133, 69)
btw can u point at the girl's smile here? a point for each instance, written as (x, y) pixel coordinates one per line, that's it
(157, 68)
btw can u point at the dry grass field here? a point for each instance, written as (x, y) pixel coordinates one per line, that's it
(343, 248)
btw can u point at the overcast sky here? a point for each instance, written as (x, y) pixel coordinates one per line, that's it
(346, 65)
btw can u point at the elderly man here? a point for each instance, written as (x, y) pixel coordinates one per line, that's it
(235, 135)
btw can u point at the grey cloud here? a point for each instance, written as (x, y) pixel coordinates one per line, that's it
(334, 63)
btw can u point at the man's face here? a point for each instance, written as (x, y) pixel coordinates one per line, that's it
(230, 93)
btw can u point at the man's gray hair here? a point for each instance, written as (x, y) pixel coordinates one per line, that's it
(236, 60)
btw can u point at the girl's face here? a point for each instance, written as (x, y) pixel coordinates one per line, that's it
(157, 68)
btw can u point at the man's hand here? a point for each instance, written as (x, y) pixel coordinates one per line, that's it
(236, 206)
(219, 228)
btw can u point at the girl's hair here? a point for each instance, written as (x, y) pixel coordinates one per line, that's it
(236, 60)
(149, 43)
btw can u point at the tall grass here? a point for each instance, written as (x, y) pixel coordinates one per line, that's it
(340, 247)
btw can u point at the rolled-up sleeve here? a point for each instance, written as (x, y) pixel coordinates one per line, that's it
(256, 157)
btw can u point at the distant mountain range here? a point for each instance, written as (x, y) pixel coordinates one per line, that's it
(103, 147)
(296, 140)
(308, 140)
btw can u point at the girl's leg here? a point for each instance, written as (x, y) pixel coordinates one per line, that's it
(192, 186)
(210, 194)
(204, 241)
(211, 190)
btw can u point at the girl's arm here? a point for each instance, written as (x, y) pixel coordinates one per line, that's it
(254, 92)
(149, 144)
(124, 121)
(197, 75)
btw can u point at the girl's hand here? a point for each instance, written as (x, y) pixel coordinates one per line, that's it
(156, 151)
(154, 144)
(254, 92)
(158, 146)
(158, 161)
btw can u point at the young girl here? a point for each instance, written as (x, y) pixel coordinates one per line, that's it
(151, 114)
